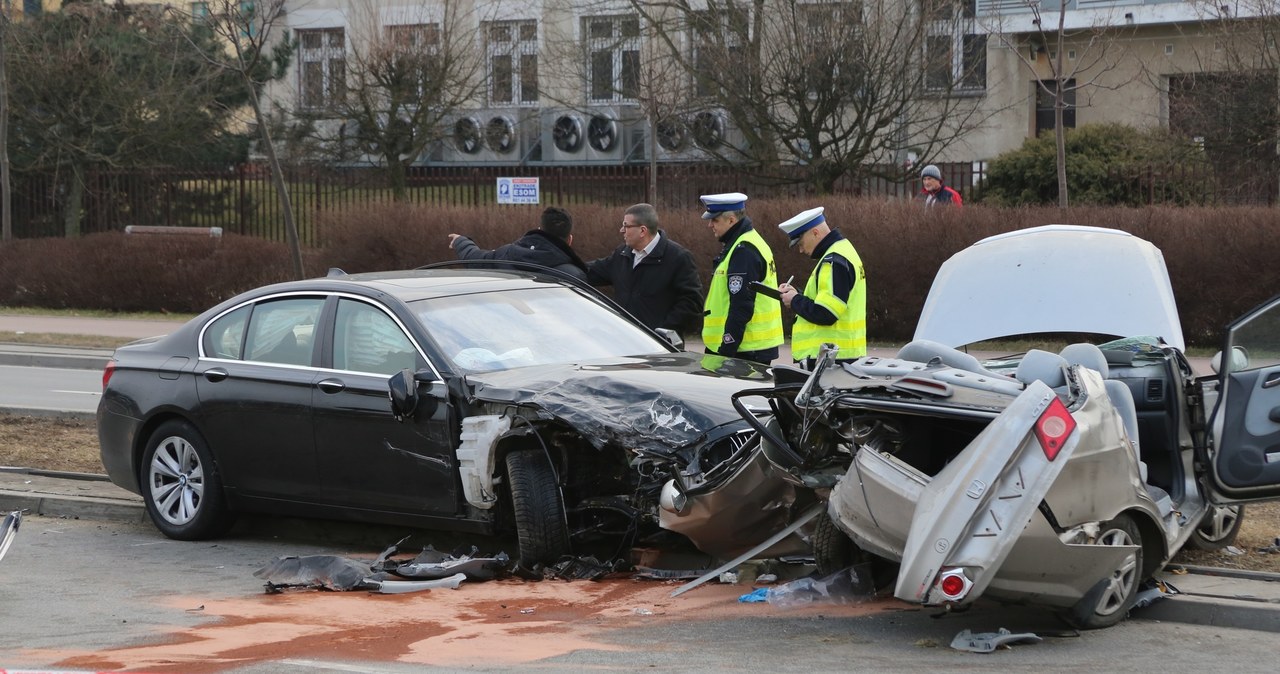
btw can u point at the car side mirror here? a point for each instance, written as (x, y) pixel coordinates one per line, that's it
(1239, 360)
(402, 389)
(671, 336)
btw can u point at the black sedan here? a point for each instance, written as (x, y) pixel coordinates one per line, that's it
(453, 398)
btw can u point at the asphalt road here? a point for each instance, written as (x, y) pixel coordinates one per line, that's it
(50, 389)
(97, 595)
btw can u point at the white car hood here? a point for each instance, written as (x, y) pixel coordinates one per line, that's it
(1055, 278)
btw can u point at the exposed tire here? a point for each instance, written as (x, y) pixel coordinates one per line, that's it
(537, 508)
(1110, 600)
(833, 551)
(1218, 529)
(181, 486)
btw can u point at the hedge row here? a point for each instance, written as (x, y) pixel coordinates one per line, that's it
(1221, 260)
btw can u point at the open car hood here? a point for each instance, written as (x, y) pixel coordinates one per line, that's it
(659, 402)
(1055, 278)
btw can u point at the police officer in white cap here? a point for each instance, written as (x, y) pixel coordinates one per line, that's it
(737, 321)
(833, 308)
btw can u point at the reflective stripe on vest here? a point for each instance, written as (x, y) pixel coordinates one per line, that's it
(849, 332)
(764, 330)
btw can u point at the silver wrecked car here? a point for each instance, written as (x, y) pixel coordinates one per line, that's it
(1059, 479)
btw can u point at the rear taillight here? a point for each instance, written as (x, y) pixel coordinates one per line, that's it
(107, 371)
(953, 584)
(1053, 428)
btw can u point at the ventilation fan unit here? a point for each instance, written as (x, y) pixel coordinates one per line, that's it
(490, 137)
(363, 146)
(594, 136)
(706, 135)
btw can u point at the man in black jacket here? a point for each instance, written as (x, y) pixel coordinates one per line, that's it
(549, 246)
(652, 276)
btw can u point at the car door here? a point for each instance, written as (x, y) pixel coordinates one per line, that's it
(1245, 462)
(254, 382)
(367, 458)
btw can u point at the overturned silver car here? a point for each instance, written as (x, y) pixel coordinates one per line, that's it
(1060, 479)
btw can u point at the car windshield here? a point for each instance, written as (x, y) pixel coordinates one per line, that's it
(484, 332)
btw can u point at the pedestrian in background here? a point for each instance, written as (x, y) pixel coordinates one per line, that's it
(935, 193)
(833, 307)
(653, 277)
(550, 246)
(738, 321)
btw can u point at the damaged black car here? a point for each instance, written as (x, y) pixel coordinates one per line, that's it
(476, 400)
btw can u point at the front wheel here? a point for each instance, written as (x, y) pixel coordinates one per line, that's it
(1111, 598)
(181, 486)
(1218, 529)
(834, 551)
(538, 508)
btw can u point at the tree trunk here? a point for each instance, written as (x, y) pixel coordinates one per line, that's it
(277, 179)
(74, 203)
(6, 202)
(1060, 136)
(399, 182)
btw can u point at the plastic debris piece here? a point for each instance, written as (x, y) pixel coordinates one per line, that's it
(1274, 548)
(9, 530)
(845, 586)
(646, 573)
(986, 642)
(1232, 550)
(642, 611)
(729, 577)
(759, 596)
(1148, 597)
(526, 611)
(767, 578)
(403, 586)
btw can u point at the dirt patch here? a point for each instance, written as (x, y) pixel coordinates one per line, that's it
(499, 623)
(50, 443)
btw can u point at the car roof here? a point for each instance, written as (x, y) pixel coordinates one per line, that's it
(1055, 278)
(411, 285)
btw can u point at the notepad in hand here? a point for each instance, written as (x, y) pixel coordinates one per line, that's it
(765, 290)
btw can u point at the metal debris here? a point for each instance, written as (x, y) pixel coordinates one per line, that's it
(986, 642)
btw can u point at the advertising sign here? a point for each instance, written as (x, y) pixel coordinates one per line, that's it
(518, 190)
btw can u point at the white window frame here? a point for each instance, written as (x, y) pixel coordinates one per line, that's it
(520, 46)
(621, 47)
(958, 29)
(332, 85)
(415, 38)
(723, 18)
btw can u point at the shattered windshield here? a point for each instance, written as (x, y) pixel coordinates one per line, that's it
(484, 332)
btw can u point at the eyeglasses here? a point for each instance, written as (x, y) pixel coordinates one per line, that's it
(629, 226)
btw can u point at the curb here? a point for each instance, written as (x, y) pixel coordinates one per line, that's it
(1225, 572)
(65, 358)
(46, 496)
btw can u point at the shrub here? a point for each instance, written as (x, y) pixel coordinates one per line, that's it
(1219, 259)
(1107, 164)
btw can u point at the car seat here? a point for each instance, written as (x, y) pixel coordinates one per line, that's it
(927, 351)
(1090, 356)
(1037, 365)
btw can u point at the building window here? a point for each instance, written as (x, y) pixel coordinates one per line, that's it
(831, 31)
(322, 67)
(955, 53)
(613, 58)
(1044, 105)
(511, 48)
(717, 37)
(413, 49)
(199, 12)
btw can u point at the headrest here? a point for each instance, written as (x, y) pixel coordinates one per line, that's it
(1042, 366)
(1086, 354)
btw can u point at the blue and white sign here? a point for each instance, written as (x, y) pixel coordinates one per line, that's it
(518, 190)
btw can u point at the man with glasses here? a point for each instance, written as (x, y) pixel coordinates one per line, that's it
(737, 321)
(652, 276)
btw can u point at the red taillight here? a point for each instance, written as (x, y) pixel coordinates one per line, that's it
(107, 371)
(1053, 428)
(953, 584)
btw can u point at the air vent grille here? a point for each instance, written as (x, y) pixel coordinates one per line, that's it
(1155, 390)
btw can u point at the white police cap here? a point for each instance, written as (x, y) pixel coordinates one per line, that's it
(720, 203)
(802, 223)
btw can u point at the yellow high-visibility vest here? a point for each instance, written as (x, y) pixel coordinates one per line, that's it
(764, 330)
(849, 332)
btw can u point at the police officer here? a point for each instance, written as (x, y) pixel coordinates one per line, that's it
(833, 308)
(738, 321)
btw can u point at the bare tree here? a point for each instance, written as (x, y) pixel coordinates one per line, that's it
(842, 87)
(6, 203)
(407, 72)
(1099, 50)
(250, 46)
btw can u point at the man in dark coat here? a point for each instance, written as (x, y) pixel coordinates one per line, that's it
(934, 192)
(652, 276)
(549, 246)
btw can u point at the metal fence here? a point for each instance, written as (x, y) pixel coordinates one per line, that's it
(242, 199)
